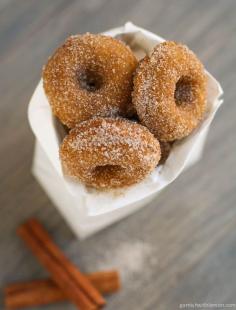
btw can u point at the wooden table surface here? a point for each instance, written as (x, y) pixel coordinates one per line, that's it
(182, 247)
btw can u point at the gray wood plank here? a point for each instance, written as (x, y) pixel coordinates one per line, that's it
(181, 247)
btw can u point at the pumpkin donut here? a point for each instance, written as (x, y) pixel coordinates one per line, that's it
(89, 75)
(170, 91)
(107, 153)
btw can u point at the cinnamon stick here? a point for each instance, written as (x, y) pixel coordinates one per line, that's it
(43, 292)
(67, 276)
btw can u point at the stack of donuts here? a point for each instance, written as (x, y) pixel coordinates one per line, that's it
(122, 114)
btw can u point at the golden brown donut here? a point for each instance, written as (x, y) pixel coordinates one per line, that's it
(108, 153)
(170, 91)
(89, 75)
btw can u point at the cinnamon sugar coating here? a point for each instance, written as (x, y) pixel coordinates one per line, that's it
(108, 153)
(89, 75)
(170, 91)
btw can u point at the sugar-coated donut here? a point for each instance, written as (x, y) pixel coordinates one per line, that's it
(108, 153)
(170, 91)
(89, 75)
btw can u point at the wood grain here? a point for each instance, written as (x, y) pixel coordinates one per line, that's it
(184, 242)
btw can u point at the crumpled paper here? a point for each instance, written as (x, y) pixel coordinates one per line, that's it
(49, 136)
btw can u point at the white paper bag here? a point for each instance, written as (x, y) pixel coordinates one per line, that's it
(87, 211)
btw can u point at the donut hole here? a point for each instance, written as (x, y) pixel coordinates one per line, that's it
(184, 91)
(89, 80)
(104, 171)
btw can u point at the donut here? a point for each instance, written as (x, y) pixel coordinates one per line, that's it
(170, 91)
(109, 153)
(89, 75)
